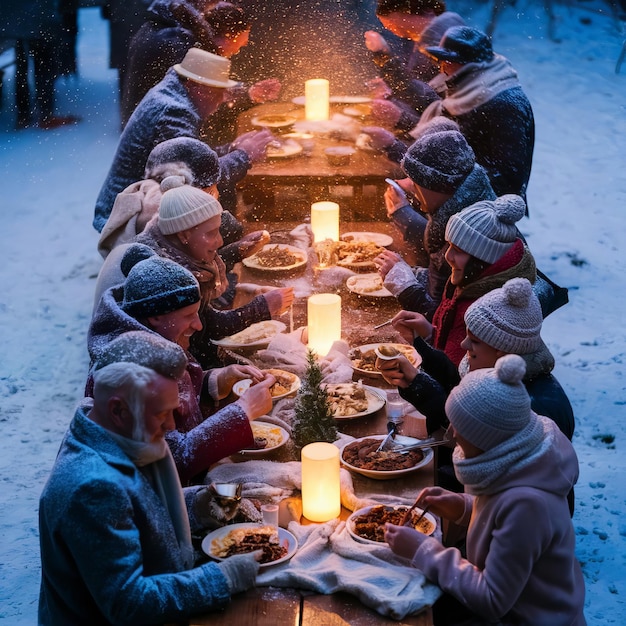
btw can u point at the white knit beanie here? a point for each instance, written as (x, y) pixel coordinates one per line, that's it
(508, 319)
(486, 229)
(490, 405)
(184, 206)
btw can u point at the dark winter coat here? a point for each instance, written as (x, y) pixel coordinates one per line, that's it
(109, 552)
(424, 294)
(448, 320)
(166, 112)
(200, 439)
(125, 17)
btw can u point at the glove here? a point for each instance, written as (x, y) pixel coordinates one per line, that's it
(240, 571)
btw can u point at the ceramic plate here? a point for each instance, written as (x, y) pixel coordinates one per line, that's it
(428, 528)
(285, 538)
(254, 262)
(255, 336)
(387, 474)
(241, 385)
(284, 149)
(349, 99)
(380, 239)
(368, 286)
(376, 400)
(273, 120)
(276, 436)
(358, 110)
(367, 352)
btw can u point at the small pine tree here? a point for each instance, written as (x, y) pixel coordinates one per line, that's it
(313, 419)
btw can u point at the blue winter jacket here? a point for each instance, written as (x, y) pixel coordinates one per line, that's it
(109, 552)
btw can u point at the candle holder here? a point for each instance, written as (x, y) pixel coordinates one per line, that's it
(321, 494)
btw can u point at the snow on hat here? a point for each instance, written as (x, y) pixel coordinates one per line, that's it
(135, 253)
(462, 44)
(187, 154)
(146, 349)
(439, 161)
(184, 206)
(486, 229)
(437, 124)
(156, 286)
(508, 319)
(205, 68)
(490, 405)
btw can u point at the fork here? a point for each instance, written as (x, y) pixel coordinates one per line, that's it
(391, 428)
(407, 516)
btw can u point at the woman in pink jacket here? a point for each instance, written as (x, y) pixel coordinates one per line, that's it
(517, 468)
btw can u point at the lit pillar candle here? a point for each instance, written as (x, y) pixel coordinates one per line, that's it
(323, 321)
(316, 104)
(321, 496)
(325, 221)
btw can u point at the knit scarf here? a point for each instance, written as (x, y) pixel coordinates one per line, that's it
(156, 463)
(472, 86)
(485, 473)
(211, 276)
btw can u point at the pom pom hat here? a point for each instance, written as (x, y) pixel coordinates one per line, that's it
(462, 44)
(491, 405)
(486, 229)
(508, 319)
(156, 286)
(439, 160)
(184, 207)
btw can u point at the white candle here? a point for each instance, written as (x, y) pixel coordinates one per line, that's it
(324, 321)
(321, 495)
(316, 93)
(325, 221)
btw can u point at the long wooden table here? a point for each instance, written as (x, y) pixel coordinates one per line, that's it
(270, 606)
(313, 176)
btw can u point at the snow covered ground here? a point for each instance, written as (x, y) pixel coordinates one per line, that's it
(49, 182)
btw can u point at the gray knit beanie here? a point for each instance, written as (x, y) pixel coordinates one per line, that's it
(439, 161)
(156, 286)
(437, 124)
(184, 155)
(486, 229)
(184, 207)
(491, 405)
(508, 319)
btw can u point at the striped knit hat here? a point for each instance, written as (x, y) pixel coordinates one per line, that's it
(486, 229)
(508, 319)
(184, 207)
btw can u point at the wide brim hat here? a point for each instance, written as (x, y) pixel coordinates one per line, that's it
(462, 44)
(206, 68)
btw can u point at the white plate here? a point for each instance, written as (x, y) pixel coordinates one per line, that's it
(253, 262)
(259, 452)
(287, 148)
(350, 523)
(409, 351)
(376, 400)
(361, 285)
(388, 474)
(284, 537)
(380, 239)
(242, 385)
(273, 120)
(270, 328)
(358, 110)
(301, 100)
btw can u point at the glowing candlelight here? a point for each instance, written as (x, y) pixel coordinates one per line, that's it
(324, 321)
(325, 221)
(321, 496)
(316, 93)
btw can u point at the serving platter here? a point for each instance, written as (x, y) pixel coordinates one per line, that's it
(368, 286)
(376, 400)
(301, 100)
(254, 262)
(379, 239)
(273, 120)
(367, 352)
(285, 538)
(427, 528)
(272, 432)
(256, 335)
(283, 149)
(427, 455)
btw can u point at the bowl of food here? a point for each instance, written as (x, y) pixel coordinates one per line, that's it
(367, 525)
(339, 155)
(276, 121)
(352, 400)
(256, 336)
(363, 358)
(285, 385)
(268, 438)
(360, 456)
(276, 258)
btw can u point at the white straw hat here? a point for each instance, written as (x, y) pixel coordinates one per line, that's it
(205, 68)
